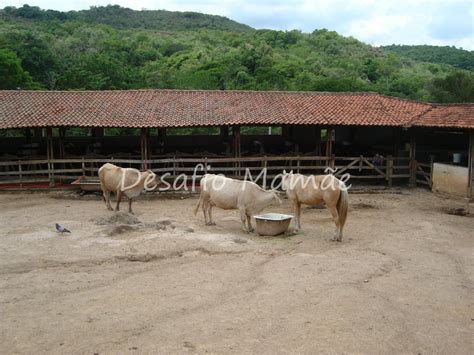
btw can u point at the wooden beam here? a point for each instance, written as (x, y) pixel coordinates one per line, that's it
(62, 136)
(317, 139)
(145, 147)
(237, 147)
(50, 155)
(412, 155)
(329, 142)
(470, 191)
(396, 136)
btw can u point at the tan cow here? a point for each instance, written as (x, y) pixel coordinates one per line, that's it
(229, 194)
(124, 181)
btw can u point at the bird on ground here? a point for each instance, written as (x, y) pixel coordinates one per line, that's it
(62, 230)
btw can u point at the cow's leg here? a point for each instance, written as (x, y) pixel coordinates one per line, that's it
(297, 209)
(119, 197)
(209, 212)
(243, 218)
(204, 211)
(130, 206)
(335, 216)
(107, 200)
(249, 223)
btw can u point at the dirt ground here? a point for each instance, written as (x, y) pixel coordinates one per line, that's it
(400, 282)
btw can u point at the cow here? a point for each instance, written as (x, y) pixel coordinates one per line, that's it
(124, 181)
(315, 189)
(229, 194)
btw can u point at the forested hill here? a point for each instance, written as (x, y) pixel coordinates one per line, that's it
(115, 48)
(434, 54)
(123, 18)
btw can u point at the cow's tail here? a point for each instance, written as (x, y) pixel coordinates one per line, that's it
(343, 206)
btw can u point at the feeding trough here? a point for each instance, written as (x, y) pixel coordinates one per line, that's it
(272, 223)
(87, 183)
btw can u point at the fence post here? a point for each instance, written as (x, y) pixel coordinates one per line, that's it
(20, 172)
(413, 167)
(389, 170)
(413, 162)
(431, 170)
(174, 166)
(50, 154)
(298, 165)
(333, 162)
(265, 172)
(83, 165)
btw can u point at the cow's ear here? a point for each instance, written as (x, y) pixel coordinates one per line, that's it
(284, 172)
(291, 172)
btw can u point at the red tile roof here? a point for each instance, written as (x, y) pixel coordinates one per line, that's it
(186, 108)
(449, 115)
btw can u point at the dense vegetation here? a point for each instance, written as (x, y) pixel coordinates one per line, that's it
(115, 48)
(446, 55)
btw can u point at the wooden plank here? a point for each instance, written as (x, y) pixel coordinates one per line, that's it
(396, 176)
(23, 162)
(351, 164)
(23, 181)
(373, 167)
(424, 165)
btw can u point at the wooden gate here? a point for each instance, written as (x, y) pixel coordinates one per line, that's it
(424, 174)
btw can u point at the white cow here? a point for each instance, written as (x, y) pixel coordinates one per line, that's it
(229, 194)
(124, 181)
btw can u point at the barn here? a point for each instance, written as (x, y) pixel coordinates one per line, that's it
(50, 138)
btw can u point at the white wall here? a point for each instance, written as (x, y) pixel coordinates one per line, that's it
(450, 179)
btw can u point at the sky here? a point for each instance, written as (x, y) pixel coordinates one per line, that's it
(376, 22)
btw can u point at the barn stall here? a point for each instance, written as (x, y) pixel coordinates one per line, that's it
(51, 138)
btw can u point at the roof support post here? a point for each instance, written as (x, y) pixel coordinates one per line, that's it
(62, 135)
(396, 134)
(317, 140)
(470, 191)
(330, 161)
(412, 155)
(161, 140)
(145, 147)
(50, 155)
(237, 148)
(225, 139)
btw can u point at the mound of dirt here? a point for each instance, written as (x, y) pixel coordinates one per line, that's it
(457, 211)
(117, 218)
(363, 206)
(120, 229)
(143, 258)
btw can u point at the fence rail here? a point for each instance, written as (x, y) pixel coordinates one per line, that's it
(26, 172)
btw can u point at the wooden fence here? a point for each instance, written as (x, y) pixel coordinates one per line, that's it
(424, 173)
(43, 171)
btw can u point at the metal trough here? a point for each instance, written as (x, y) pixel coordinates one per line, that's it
(272, 223)
(87, 183)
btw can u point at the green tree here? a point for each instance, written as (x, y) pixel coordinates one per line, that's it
(455, 87)
(12, 74)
